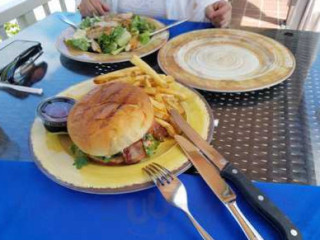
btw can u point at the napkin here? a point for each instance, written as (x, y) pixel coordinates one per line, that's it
(34, 207)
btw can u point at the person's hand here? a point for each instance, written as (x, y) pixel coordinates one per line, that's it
(92, 7)
(219, 13)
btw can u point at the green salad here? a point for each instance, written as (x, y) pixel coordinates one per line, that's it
(111, 34)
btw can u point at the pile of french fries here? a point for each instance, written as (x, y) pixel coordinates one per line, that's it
(159, 87)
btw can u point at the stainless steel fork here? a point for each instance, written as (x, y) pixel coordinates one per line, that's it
(68, 21)
(173, 191)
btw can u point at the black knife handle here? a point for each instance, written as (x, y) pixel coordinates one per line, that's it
(261, 203)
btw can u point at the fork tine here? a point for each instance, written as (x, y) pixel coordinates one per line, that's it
(155, 174)
(151, 175)
(163, 174)
(166, 171)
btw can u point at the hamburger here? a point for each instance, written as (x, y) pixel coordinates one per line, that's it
(114, 124)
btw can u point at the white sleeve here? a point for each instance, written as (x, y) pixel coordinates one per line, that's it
(111, 3)
(197, 11)
(194, 9)
(78, 3)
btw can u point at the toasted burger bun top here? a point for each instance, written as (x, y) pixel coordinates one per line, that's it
(110, 118)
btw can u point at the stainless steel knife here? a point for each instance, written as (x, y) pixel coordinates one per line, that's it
(169, 26)
(221, 189)
(260, 202)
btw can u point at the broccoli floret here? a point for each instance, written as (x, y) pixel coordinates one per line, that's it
(109, 43)
(144, 38)
(141, 25)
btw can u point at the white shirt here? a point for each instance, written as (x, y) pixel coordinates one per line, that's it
(171, 9)
(154, 8)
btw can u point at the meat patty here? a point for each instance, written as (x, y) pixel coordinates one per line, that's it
(134, 153)
(158, 131)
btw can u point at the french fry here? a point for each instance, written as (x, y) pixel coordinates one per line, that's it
(140, 78)
(158, 105)
(129, 69)
(117, 74)
(104, 79)
(147, 82)
(158, 97)
(150, 90)
(148, 70)
(167, 78)
(136, 73)
(181, 96)
(173, 103)
(167, 96)
(137, 83)
(130, 80)
(122, 79)
(161, 115)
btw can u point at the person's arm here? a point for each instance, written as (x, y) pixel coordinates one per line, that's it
(92, 7)
(219, 13)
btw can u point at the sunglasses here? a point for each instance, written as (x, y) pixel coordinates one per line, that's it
(25, 58)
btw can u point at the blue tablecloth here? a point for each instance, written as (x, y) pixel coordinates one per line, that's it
(34, 207)
(185, 27)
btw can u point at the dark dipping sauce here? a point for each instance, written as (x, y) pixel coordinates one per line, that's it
(54, 113)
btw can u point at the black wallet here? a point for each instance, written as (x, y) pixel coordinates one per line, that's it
(16, 54)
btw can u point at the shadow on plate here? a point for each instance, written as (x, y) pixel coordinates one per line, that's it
(91, 69)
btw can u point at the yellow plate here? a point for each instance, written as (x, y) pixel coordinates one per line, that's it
(53, 158)
(155, 43)
(226, 60)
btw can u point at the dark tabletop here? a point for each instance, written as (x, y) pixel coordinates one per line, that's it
(271, 134)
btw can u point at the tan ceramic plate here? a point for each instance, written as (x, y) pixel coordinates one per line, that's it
(53, 158)
(155, 43)
(226, 60)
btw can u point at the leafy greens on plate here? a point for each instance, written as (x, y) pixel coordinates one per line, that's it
(111, 34)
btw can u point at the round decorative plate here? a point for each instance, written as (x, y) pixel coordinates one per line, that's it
(153, 45)
(53, 157)
(226, 60)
